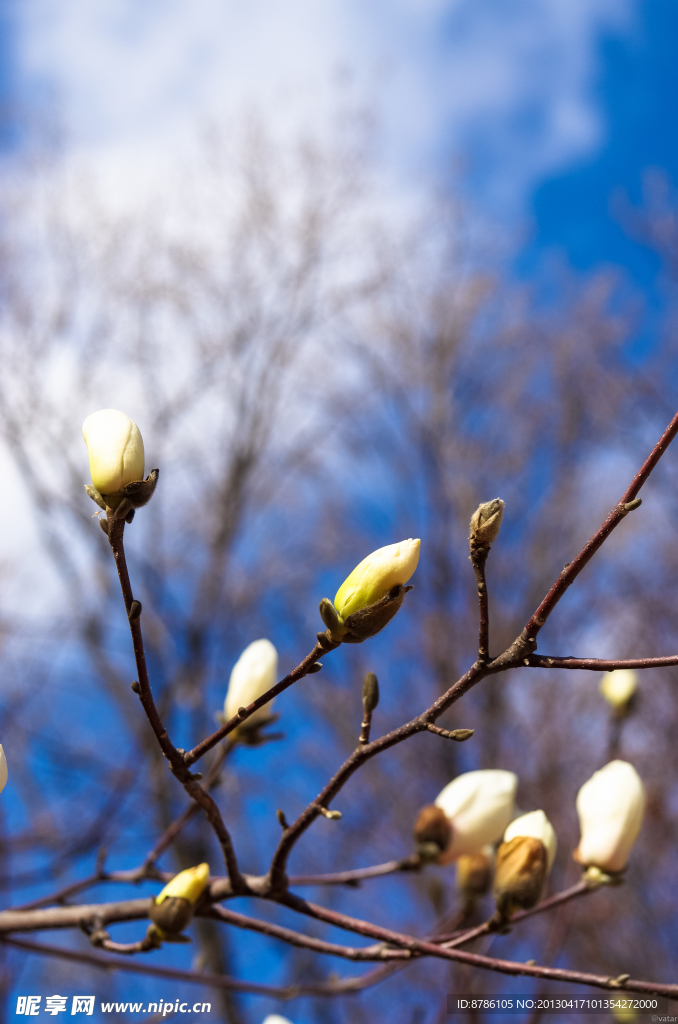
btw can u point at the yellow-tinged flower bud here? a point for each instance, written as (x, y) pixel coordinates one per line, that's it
(610, 808)
(538, 826)
(3, 769)
(619, 687)
(376, 576)
(115, 448)
(479, 806)
(188, 885)
(520, 875)
(255, 672)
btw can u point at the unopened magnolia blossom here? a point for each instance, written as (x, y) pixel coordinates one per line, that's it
(610, 808)
(536, 825)
(255, 672)
(524, 860)
(115, 449)
(376, 576)
(618, 687)
(187, 885)
(479, 806)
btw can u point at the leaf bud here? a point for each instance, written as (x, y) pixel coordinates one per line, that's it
(370, 692)
(486, 523)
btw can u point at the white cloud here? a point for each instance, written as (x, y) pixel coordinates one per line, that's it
(511, 81)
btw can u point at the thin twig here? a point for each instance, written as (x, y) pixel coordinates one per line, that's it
(569, 574)
(173, 830)
(600, 664)
(478, 558)
(355, 875)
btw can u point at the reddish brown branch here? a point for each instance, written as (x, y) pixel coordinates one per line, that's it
(600, 664)
(355, 875)
(478, 559)
(510, 967)
(569, 574)
(176, 759)
(277, 871)
(306, 941)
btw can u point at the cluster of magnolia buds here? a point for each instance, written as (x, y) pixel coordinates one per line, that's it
(476, 811)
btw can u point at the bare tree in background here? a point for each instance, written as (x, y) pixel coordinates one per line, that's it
(314, 382)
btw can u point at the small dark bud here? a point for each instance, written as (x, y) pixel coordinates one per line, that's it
(134, 611)
(432, 826)
(129, 517)
(282, 820)
(136, 686)
(314, 668)
(103, 523)
(172, 915)
(242, 713)
(474, 874)
(370, 692)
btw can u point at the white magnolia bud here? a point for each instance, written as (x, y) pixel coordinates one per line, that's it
(618, 687)
(115, 448)
(538, 826)
(376, 576)
(610, 808)
(479, 806)
(255, 672)
(3, 769)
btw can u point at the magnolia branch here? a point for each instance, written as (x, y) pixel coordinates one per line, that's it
(176, 760)
(391, 945)
(600, 664)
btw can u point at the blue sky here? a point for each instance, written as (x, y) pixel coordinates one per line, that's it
(546, 105)
(550, 104)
